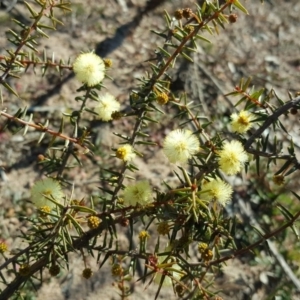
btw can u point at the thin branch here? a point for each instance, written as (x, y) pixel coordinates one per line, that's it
(272, 247)
(79, 243)
(271, 119)
(260, 241)
(27, 62)
(42, 128)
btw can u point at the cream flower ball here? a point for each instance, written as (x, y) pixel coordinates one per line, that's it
(241, 122)
(232, 157)
(89, 68)
(217, 190)
(180, 145)
(139, 193)
(107, 105)
(46, 188)
(125, 152)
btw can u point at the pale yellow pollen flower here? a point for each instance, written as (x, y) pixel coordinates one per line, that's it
(126, 153)
(180, 145)
(46, 188)
(241, 122)
(106, 106)
(89, 68)
(232, 157)
(217, 190)
(139, 193)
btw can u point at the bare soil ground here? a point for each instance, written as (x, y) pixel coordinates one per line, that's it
(264, 44)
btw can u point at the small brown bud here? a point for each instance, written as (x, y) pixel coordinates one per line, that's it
(87, 273)
(54, 270)
(107, 62)
(187, 13)
(178, 14)
(208, 144)
(24, 270)
(124, 222)
(278, 179)
(179, 290)
(116, 115)
(293, 111)
(232, 18)
(41, 157)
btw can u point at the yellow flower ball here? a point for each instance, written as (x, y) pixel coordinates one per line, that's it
(126, 153)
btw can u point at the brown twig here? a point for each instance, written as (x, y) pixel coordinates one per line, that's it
(260, 241)
(42, 128)
(271, 119)
(48, 63)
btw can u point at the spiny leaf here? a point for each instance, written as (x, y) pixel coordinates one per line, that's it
(32, 12)
(10, 89)
(238, 5)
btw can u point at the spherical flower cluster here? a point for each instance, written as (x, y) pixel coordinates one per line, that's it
(3, 247)
(241, 122)
(45, 189)
(24, 270)
(232, 157)
(44, 211)
(106, 106)
(278, 179)
(180, 145)
(162, 98)
(93, 222)
(187, 13)
(144, 235)
(107, 62)
(163, 228)
(87, 273)
(89, 68)
(207, 255)
(54, 270)
(217, 190)
(178, 14)
(117, 270)
(139, 193)
(202, 247)
(189, 28)
(125, 153)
